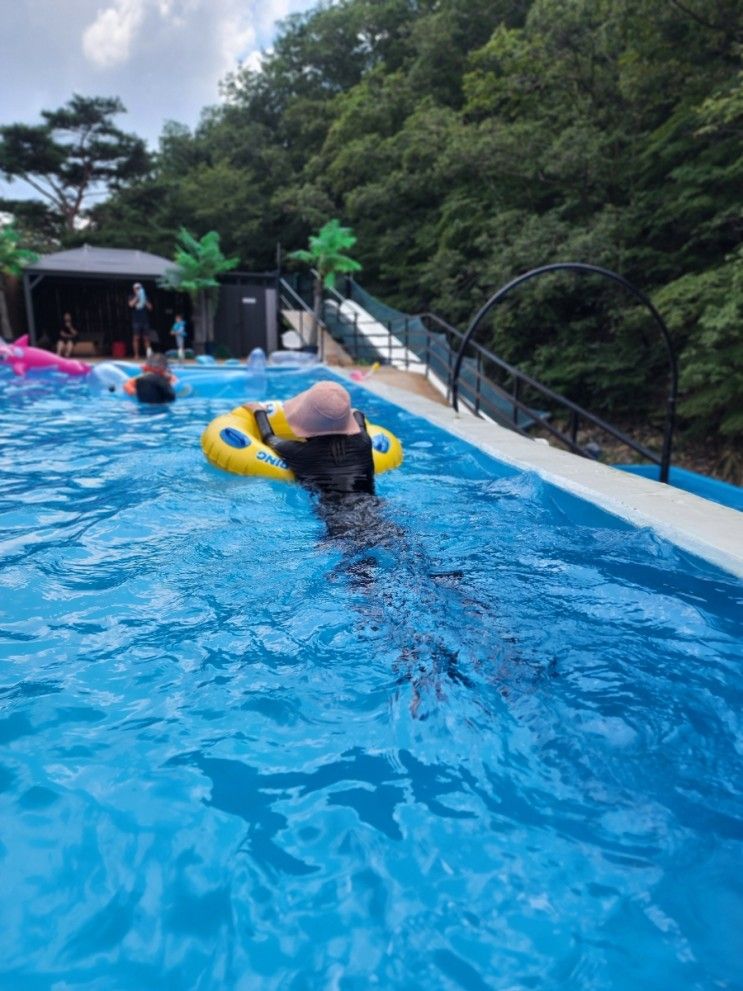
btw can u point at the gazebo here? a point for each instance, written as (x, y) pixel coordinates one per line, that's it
(93, 284)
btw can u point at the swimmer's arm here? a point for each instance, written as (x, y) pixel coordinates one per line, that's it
(281, 445)
(261, 421)
(360, 419)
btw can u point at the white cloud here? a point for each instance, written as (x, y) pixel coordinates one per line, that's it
(108, 40)
(112, 38)
(177, 12)
(163, 58)
(237, 37)
(254, 60)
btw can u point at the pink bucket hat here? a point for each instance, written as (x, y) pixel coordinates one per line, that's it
(323, 409)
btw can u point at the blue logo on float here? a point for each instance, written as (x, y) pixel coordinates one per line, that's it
(381, 443)
(271, 459)
(235, 438)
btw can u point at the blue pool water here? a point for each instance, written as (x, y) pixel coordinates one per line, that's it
(499, 749)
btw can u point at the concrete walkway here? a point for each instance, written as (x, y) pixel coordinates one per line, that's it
(413, 382)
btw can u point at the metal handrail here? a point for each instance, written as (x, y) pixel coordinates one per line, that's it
(287, 292)
(578, 412)
(481, 405)
(332, 291)
(294, 295)
(665, 458)
(370, 337)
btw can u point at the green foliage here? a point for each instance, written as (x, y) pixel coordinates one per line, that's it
(326, 256)
(326, 252)
(13, 258)
(465, 141)
(33, 221)
(706, 310)
(198, 263)
(76, 152)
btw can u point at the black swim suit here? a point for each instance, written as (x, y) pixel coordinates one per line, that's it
(338, 463)
(153, 388)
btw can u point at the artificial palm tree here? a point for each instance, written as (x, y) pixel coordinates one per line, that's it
(198, 263)
(13, 259)
(326, 257)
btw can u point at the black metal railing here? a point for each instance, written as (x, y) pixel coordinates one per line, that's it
(489, 386)
(578, 413)
(520, 382)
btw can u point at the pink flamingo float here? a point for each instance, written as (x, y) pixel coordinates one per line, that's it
(21, 357)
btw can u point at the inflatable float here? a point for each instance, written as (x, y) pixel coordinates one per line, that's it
(145, 386)
(22, 357)
(233, 442)
(109, 377)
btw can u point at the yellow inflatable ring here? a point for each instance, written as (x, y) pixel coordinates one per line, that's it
(233, 442)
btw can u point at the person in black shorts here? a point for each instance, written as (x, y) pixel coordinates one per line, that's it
(334, 456)
(140, 307)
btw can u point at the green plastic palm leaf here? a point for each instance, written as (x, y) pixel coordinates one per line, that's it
(198, 263)
(327, 252)
(327, 256)
(13, 258)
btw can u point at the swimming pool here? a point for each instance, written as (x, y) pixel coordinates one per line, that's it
(211, 776)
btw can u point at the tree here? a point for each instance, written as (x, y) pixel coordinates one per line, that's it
(465, 141)
(13, 258)
(706, 309)
(75, 154)
(198, 263)
(325, 256)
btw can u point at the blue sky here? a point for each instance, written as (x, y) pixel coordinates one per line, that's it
(163, 58)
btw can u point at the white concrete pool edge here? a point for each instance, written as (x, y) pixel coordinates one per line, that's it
(704, 528)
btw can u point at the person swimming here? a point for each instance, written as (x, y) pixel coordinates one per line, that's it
(155, 384)
(402, 590)
(334, 454)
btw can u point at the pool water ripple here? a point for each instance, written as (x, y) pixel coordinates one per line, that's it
(500, 748)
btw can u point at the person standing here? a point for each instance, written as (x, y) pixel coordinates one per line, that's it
(178, 330)
(67, 335)
(140, 307)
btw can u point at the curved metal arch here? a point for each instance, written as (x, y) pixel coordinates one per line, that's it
(665, 459)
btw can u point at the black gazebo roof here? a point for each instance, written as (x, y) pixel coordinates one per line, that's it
(88, 279)
(111, 262)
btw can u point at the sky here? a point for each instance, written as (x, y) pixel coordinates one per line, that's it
(163, 58)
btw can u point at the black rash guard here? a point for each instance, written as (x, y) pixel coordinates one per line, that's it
(337, 463)
(153, 388)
